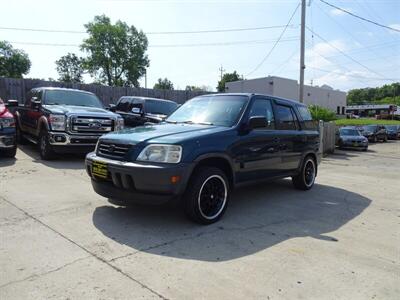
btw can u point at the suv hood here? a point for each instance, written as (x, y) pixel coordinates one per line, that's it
(162, 133)
(70, 109)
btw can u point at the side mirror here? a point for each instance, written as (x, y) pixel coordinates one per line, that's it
(111, 107)
(35, 102)
(12, 103)
(257, 122)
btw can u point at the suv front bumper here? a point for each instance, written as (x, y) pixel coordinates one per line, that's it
(7, 139)
(136, 182)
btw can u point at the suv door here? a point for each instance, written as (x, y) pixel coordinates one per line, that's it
(290, 137)
(257, 152)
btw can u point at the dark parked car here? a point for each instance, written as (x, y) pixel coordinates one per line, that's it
(374, 133)
(350, 137)
(8, 142)
(393, 132)
(205, 149)
(137, 111)
(63, 120)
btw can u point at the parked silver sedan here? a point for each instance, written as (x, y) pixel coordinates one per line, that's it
(350, 137)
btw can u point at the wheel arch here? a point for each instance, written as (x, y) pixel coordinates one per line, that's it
(218, 160)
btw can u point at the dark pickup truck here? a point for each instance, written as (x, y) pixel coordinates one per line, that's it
(206, 148)
(63, 120)
(138, 111)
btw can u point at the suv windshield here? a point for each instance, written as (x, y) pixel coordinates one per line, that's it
(60, 97)
(351, 132)
(211, 110)
(159, 107)
(391, 127)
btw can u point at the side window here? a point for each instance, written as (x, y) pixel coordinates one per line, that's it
(286, 118)
(123, 104)
(136, 107)
(263, 107)
(307, 121)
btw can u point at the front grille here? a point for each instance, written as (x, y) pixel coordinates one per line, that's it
(91, 125)
(112, 150)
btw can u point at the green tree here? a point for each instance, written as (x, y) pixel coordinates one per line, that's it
(374, 95)
(70, 68)
(13, 62)
(227, 77)
(116, 52)
(164, 84)
(194, 88)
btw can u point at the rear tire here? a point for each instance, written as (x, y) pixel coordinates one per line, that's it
(306, 178)
(207, 195)
(10, 153)
(45, 149)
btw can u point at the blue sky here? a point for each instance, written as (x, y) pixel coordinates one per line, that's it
(377, 49)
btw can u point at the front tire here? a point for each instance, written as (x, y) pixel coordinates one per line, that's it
(306, 178)
(207, 195)
(45, 149)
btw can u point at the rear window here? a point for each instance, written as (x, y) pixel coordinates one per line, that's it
(160, 107)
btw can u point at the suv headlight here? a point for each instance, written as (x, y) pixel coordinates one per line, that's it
(57, 122)
(119, 124)
(161, 153)
(7, 122)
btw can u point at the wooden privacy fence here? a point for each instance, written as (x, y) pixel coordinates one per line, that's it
(327, 137)
(11, 88)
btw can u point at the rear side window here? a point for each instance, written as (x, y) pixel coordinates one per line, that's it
(263, 107)
(307, 121)
(304, 113)
(285, 117)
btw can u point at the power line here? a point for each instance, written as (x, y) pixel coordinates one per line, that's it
(251, 42)
(276, 43)
(348, 56)
(152, 32)
(353, 75)
(359, 17)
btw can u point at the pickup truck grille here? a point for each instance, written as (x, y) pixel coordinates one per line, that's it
(91, 125)
(112, 150)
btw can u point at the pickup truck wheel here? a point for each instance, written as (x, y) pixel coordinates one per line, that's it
(46, 152)
(306, 178)
(207, 195)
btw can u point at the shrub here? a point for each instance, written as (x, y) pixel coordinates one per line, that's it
(321, 113)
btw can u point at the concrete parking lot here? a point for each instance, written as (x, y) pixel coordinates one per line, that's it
(341, 240)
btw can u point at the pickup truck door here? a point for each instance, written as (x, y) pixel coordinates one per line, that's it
(131, 110)
(31, 114)
(257, 151)
(291, 139)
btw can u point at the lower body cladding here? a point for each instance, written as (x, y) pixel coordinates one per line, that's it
(141, 183)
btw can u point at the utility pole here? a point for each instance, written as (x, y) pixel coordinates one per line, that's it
(145, 78)
(302, 49)
(221, 69)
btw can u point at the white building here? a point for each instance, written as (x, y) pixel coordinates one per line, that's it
(324, 96)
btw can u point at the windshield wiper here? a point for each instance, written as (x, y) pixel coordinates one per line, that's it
(201, 123)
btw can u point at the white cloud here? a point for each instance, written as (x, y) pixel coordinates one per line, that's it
(346, 80)
(337, 12)
(395, 26)
(318, 56)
